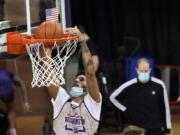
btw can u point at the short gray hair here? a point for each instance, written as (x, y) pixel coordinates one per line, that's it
(143, 60)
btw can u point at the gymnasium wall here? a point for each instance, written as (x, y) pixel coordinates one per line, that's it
(37, 97)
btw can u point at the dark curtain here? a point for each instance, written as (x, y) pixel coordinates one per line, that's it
(155, 23)
(142, 27)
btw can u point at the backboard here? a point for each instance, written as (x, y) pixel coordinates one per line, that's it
(25, 15)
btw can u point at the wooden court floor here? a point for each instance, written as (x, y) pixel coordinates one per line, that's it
(175, 115)
(32, 125)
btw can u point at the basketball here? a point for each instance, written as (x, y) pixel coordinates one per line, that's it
(49, 30)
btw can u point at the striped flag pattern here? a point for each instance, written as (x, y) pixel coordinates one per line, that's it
(52, 14)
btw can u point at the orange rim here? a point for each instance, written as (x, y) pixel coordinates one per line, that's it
(65, 37)
(16, 42)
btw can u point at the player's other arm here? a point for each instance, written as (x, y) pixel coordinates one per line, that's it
(53, 91)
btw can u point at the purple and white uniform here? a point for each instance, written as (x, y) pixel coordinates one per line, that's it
(71, 118)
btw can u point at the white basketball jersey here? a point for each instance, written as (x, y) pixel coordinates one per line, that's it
(72, 119)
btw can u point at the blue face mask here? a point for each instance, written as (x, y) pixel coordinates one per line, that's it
(143, 76)
(76, 92)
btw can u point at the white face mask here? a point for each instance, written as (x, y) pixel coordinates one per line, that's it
(76, 91)
(143, 76)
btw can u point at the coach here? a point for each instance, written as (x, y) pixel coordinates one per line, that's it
(144, 100)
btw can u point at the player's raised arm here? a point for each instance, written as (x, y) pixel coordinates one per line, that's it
(92, 84)
(53, 90)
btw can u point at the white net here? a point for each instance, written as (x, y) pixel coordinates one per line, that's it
(49, 69)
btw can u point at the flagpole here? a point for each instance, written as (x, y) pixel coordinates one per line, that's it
(60, 4)
(28, 17)
(63, 14)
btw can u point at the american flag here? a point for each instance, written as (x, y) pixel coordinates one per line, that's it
(52, 14)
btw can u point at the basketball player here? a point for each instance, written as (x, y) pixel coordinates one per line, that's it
(78, 112)
(144, 100)
(7, 113)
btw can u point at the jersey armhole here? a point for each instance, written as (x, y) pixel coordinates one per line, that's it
(93, 106)
(58, 103)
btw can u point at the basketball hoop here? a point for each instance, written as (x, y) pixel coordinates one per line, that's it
(46, 70)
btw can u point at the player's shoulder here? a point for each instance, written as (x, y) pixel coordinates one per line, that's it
(62, 89)
(62, 92)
